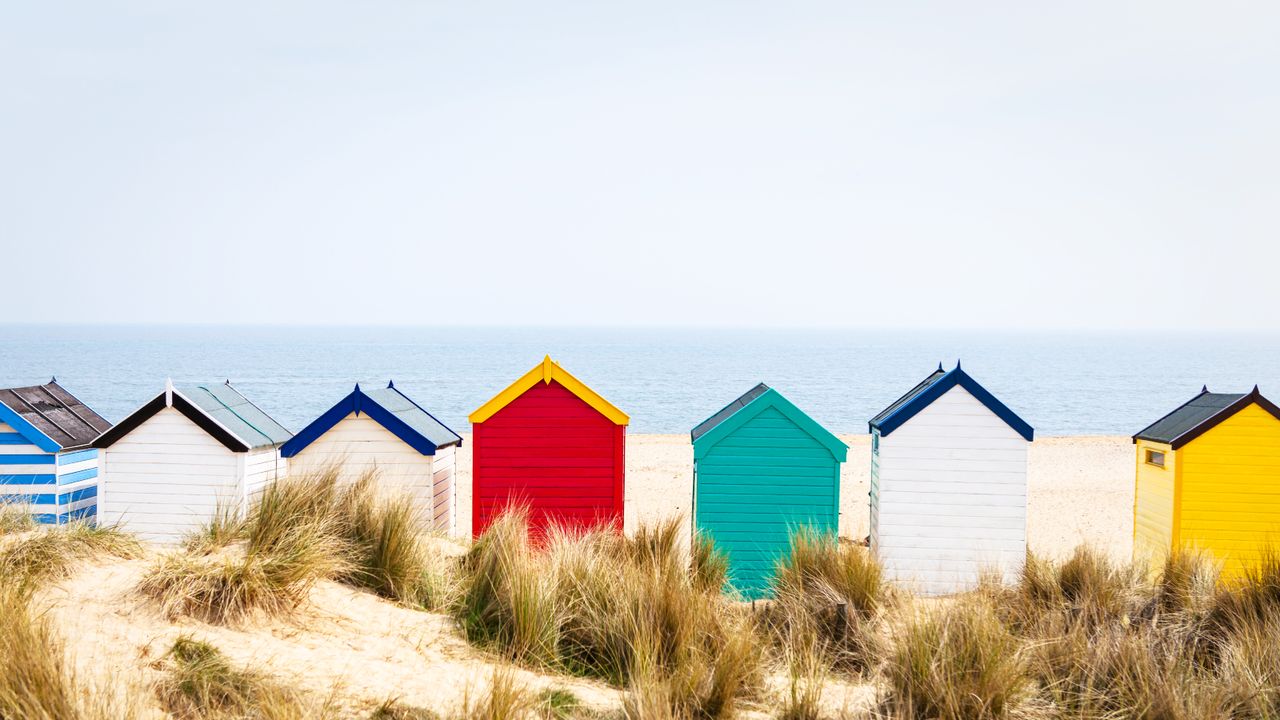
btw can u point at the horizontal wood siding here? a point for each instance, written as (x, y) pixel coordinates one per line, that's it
(263, 467)
(444, 502)
(1230, 504)
(1153, 502)
(28, 477)
(950, 497)
(552, 451)
(55, 488)
(756, 486)
(356, 445)
(166, 478)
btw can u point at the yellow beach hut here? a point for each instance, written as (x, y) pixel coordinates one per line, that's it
(1208, 479)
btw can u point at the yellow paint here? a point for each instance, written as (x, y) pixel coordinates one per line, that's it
(546, 371)
(1229, 503)
(1154, 499)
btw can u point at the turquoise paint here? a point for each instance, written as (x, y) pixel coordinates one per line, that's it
(760, 474)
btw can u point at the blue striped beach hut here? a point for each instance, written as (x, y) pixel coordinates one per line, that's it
(46, 463)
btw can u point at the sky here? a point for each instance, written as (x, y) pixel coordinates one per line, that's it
(1054, 166)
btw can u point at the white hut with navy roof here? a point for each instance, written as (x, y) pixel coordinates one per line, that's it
(46, 464)
(384, 431)
(178, 460)
(948, 485)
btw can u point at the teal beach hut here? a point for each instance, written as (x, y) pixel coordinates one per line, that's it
(762, 468)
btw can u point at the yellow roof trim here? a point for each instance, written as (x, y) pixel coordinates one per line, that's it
(546, 371)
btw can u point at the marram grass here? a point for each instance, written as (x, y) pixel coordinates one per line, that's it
(301, 531)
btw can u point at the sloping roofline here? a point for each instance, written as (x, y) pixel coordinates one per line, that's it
(923, 395)
(727, 411)
(1250, 398)
(546, 371)
(770, 398)
(12, 414)
(357, 402)
(173, 398)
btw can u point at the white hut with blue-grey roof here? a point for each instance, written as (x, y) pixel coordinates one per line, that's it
(169, 467)
(385, 432)
(46, 464)
(948, 485)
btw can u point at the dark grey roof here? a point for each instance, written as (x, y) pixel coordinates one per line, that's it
(727, 411)
(408, 412)
(919, 388)
(56, 413)
(1191, 416)
(246, 421)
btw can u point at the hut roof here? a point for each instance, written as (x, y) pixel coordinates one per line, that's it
(218, 409)
(748, 405)
(391, 409)
(933, 387)
(727, 411)
(50, 417)
(1200, 414)
(546, 371)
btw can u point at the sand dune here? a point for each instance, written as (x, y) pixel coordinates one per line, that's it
(1081, 490)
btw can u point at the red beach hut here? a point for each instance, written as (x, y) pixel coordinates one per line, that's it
(550, 442)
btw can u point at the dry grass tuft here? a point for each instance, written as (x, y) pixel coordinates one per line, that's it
(957, 662)
(390, 548)
(48, 553)
(15, 518)
(626, 610)
(36, 680)
(832, 590)
(303, 530)
(201, 685)
(806, 657)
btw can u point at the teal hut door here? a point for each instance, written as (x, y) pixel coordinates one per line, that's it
(762, 468)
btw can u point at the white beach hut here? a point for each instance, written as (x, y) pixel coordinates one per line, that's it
(170, 466)
(46, 464)
(384, 431)
(948, 485)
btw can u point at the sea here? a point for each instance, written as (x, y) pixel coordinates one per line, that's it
(666, 379)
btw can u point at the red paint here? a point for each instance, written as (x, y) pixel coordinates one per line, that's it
(553, 452)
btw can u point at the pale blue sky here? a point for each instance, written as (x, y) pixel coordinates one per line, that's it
(1068, 165)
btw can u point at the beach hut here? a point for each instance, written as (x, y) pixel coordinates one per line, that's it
(948, 485)
(1208, 479)
(169, 467)
(761, 470)
(550, 442)
(46, 464)
(383, 430)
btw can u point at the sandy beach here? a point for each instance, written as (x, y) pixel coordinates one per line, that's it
(1080, 489)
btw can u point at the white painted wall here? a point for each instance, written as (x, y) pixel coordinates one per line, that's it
(166, 478)
(445, 498)
(949, 497)
(358, 444)
(262, 467)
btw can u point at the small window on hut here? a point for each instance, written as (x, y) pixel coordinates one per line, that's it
(1155, 457)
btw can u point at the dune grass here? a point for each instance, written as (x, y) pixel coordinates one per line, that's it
(301, 531)
(48, 552)
(37, 681)
(15, 518)
(628, 610)
(956, 662)
(828, 595)
(200, 684)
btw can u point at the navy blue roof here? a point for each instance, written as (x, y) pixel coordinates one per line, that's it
(391, 409)
(932, 388)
